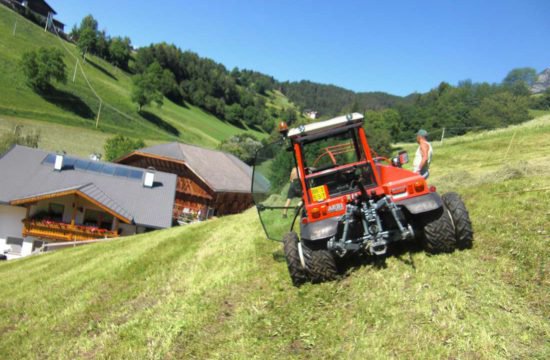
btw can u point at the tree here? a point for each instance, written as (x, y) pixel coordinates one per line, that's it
(7, 140)
(147, 87)
(234, 113)
(243, 146)
(87, 35)
(542, 101)
(87, 41)
(526, 75)
(119, 52)
(42, 66)
(120, 145)
(501, 109)
(519, 80)
(289, 116)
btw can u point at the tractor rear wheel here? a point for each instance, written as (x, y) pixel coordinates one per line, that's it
(461, 220)
(296, 267)
(439, 234)
(323, 266)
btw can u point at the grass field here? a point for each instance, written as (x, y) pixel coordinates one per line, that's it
(74, 104)
(220, 290)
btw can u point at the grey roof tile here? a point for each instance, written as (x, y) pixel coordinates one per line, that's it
(223, 172)
(24, 174)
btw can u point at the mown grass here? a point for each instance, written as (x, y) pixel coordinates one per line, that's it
(76, 105)
(220, 290)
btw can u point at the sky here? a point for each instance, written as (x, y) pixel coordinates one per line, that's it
(398, 47)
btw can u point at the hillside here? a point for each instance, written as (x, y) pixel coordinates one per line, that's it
(220, 290)
(76, 105)
(331, 100)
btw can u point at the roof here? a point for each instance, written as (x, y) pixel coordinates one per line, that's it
(28, 174)
(221, 171)
(317, 127)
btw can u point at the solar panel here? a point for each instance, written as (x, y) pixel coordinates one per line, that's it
(68, 161)
(123, 172)
(108, 169)
(135, 174)
(96, 167)
(50, 159)
(81, 164)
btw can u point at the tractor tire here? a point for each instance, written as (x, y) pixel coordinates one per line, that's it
(323, 266)
(298, 273)
(461, 220)
(439, 234)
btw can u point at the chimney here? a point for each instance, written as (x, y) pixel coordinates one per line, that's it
(59, 157)
(149, 179)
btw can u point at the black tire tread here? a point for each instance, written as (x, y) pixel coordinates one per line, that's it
(439, 235)
(297, 273)
(461, 219)
(323, 266)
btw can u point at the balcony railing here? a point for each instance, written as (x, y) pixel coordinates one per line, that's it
(64, 232)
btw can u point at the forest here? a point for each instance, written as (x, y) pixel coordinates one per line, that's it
(239, 96)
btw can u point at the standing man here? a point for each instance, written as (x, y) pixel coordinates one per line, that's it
(423, 156)
(294, 190)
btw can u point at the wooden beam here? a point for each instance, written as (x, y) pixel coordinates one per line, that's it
(70, 192)
(42, 197)
(75, 207)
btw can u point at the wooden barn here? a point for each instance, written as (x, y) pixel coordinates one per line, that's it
(209, 182)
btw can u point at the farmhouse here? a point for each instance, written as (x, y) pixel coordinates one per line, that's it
(46, 197)
(36, 10)
(210, 182)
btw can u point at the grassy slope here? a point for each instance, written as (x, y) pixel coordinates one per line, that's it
(76, 105)
(220, 290)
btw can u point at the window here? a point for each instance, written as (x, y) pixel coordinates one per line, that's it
(55, 211)
(98, 218)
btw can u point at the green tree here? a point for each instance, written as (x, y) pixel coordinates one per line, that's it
(119, 52)
(87, 41)
(519, 80)
(501, 109)
(17, 137)
(542, 101)
(42, 66)
(234, 113)
(87, 35)
(147, 87)
(243, 146)
(526, 75)
(120, 145)
(289, 115)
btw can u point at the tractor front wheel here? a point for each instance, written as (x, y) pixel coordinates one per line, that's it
(297, 265)
(323, 266)
(461, 220)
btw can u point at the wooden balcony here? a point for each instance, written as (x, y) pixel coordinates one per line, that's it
(64, 232)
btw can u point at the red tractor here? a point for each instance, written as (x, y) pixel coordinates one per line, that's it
(350, 202)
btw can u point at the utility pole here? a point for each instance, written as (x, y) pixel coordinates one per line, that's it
(442, 136)
(98, 113)
(47, 22)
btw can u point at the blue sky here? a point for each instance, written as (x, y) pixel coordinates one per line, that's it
(393, 46)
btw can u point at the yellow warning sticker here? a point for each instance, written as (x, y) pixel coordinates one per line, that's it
(319, 193)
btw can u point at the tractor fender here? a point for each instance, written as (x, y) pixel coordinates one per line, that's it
(421, 204)
(319, 230)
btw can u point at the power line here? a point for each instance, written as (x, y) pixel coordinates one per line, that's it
(101, 102)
